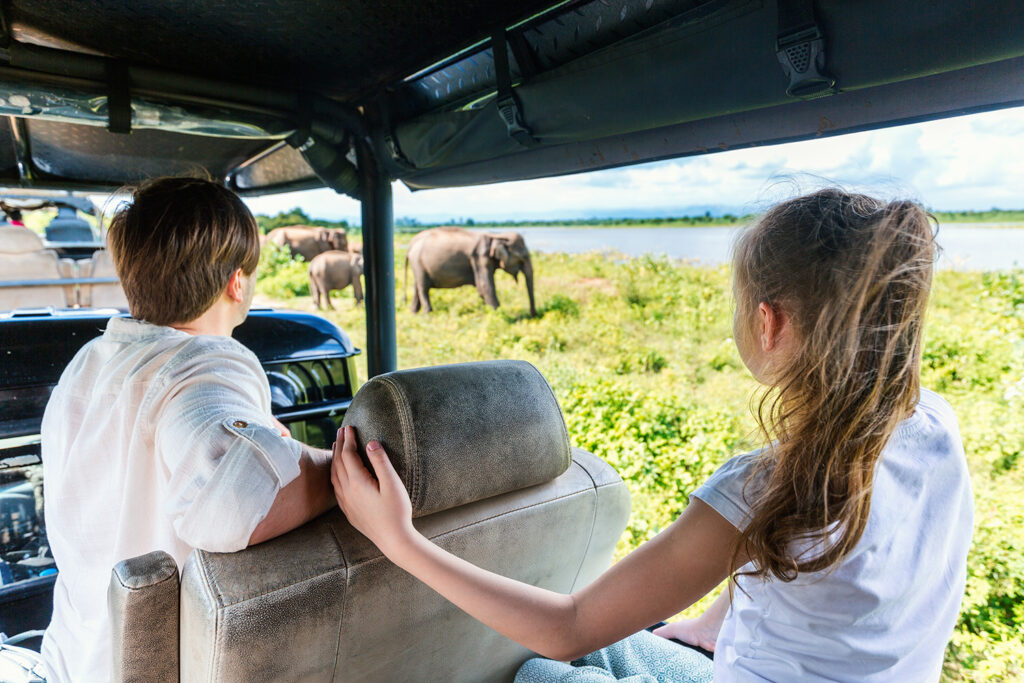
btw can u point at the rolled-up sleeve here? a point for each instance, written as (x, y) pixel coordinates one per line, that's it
(224, 459)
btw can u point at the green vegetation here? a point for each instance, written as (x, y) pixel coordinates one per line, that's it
(296, 216)
(990, 216)
(640, 355)
(280, 275)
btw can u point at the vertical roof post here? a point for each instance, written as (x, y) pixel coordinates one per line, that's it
(379, 261)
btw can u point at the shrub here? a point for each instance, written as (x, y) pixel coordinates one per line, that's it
(280, 275)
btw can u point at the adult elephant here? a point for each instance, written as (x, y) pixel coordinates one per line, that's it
(452, 257)
(307, 240)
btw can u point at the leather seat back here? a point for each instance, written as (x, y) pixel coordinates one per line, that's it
(23, 257)
(482, 447)
(105, 295)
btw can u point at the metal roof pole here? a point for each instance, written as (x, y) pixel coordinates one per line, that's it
(379, 262)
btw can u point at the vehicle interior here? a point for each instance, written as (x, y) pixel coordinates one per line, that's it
(281, 96)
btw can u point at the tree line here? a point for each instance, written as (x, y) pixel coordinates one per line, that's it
(297, 216)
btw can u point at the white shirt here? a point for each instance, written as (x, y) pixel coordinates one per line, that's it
(153, 439)
(886, 612)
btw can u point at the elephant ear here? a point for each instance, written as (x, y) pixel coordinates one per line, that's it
(499, 251)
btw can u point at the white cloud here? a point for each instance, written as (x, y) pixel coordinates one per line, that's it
(972, 162)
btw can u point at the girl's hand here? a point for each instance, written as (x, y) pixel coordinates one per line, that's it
(378, 507)
(699, 632)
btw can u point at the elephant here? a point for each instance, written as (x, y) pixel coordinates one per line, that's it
(452, 257)
(335, 270)
(307, 240)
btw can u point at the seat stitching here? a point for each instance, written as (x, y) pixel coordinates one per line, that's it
(408, 435)
(287, 586)
(593, 527)
(344, 602)
(216, 616)
(212, 579)
(485, 519)
(152, 585)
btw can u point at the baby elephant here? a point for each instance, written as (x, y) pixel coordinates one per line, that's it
(335, 270)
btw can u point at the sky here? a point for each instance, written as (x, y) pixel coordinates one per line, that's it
(965, 163)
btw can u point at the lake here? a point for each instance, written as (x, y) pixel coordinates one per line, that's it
(966, 246)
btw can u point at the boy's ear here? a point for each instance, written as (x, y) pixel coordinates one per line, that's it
(236, 288)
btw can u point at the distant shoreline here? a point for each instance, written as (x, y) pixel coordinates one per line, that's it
(1011, 225)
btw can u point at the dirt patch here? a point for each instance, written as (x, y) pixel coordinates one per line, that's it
(589, 286)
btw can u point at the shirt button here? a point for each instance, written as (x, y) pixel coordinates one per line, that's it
(241, 424)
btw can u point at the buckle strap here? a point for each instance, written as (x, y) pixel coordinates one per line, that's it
(509, 108)
(119, 98)
(800, 49)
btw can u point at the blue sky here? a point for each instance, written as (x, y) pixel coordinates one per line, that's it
(969, 162)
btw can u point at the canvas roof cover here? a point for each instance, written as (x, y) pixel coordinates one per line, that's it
(94, 95)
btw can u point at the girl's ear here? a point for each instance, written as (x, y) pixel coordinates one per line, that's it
(774, 322)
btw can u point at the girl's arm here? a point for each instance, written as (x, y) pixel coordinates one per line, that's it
(664, 576)
(702, 631)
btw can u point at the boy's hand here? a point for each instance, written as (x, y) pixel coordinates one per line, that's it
(376, 504)
(692, 632)
(279, 426)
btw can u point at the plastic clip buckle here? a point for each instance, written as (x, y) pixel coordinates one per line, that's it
(802, 55)
(508, 109)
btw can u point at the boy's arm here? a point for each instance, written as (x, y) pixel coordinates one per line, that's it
(303, 498)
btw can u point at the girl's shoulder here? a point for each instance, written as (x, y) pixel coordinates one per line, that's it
(933, 418)
(734, 486)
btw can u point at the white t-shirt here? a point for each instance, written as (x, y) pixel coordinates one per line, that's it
(153, 439)
(887, 610)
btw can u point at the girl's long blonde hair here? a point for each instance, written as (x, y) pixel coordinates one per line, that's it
(853, 273)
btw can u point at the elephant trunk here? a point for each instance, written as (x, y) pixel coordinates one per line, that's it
(528, 276)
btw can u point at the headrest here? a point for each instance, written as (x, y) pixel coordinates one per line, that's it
(15, 239)
(461, 433)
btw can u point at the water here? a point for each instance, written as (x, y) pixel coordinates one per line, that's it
(966, 246)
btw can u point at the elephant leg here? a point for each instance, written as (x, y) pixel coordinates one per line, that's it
(421, 289)
(357, 289)
(423, 292)
(488, 293)
(327, 298)
(315, 291)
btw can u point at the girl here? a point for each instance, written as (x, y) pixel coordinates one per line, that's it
(846, 535)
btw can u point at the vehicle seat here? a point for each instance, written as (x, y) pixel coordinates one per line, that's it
(484, 453)
(23, 257)
(101, 296)
(66, 226)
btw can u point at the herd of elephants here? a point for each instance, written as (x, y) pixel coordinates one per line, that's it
(439, 257)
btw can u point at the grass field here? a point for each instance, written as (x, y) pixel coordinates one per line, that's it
(640, 355)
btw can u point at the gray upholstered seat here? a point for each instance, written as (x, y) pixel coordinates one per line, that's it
(23, 257)
(483, 449)
(109, 295)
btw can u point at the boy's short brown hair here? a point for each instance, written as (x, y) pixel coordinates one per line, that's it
(175, 245)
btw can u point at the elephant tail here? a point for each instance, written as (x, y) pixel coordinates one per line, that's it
(405, 280)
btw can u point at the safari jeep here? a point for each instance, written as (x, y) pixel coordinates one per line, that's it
(280, 96)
